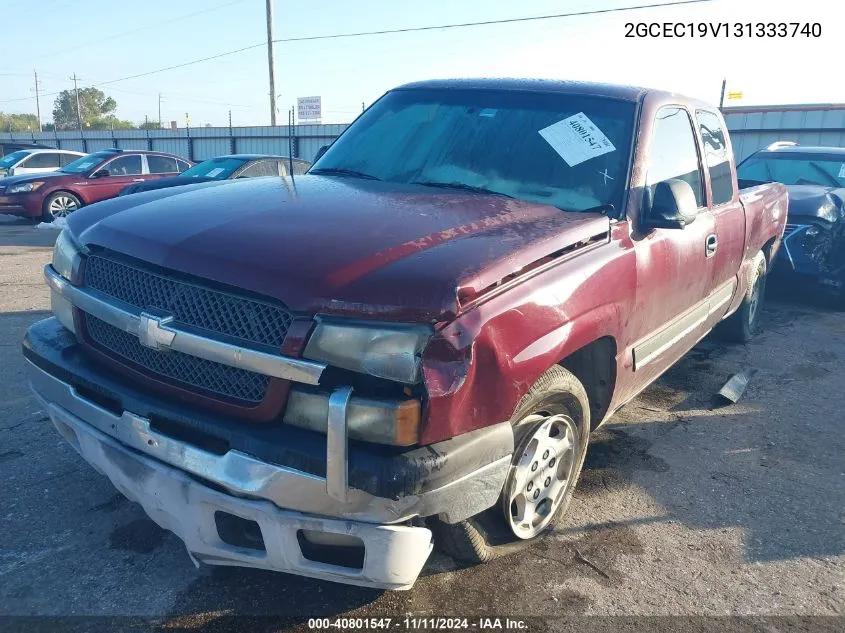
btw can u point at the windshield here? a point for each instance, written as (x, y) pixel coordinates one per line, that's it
(86, 163)
(795, 169)
(10, 159)
(217, 168)
(564, 150)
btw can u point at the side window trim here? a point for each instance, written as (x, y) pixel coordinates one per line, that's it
(698, 150)
(723, 128)
(111, 160)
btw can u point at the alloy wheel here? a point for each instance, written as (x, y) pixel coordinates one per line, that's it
(539, 482)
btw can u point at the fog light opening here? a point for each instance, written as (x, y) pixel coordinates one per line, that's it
(341, 550)
(239, 532)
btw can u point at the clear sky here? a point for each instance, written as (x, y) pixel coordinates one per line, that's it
(102, 40)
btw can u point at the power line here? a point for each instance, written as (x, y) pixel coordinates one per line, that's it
(405, 30)
(138, 30)
(551, 16)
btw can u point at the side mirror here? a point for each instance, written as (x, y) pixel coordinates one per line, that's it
(673, 205)
(100, 173)
(320, 153)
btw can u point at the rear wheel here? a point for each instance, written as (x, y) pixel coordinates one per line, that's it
(59, 205)
(551, 433)
(743, 324)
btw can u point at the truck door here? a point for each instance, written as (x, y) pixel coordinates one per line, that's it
(727, 244)
(674, 271)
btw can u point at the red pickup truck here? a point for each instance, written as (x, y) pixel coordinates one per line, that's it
(410, 344)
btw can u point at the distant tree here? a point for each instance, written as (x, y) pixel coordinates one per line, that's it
(97, 110)
(18, 122)
(149, 125)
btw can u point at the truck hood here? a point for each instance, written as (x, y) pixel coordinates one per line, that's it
(335, 245)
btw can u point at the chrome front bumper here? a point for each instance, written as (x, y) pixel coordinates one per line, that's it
(166, 477)
(393, 555)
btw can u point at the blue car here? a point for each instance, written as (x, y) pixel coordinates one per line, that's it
(814, 241)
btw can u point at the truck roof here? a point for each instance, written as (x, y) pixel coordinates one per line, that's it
(803, 149)
(627, 93)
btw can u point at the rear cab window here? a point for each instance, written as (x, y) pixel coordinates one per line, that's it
(716, 156)
(674, 153)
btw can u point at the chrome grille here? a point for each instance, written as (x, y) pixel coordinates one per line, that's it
(189, 303)
(190, 371)
(192, 304)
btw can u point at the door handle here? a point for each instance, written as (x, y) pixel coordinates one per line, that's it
(710, 245)
(138, 180)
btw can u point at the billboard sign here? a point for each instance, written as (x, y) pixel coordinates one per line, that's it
(309, 109)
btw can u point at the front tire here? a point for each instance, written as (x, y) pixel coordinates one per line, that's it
(743, 324)
(551, 428)
(59, 204)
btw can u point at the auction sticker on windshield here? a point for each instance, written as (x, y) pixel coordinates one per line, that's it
(214, 172)
(842, 170)
(577, 139)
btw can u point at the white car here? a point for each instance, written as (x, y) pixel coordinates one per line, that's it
(34, 161)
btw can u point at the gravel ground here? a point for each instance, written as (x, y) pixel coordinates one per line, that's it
(687, 507)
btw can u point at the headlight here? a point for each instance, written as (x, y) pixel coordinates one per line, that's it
(382, 350)
(25, 187)
(65, 255)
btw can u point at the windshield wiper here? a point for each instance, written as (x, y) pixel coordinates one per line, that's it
(461, 186)
(337, 171)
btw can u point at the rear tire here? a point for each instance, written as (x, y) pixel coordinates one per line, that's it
(59, 204)
(551, 428)
(743, 324)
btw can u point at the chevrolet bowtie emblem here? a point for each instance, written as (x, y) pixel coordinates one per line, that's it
(153, 334)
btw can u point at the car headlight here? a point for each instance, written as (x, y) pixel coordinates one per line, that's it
(66, 260)
(24, 187)
(65, 255)
(383, 350)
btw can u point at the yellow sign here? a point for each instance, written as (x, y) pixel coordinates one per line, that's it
(735, 95)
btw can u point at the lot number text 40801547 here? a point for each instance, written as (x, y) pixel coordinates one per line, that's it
(723, 29)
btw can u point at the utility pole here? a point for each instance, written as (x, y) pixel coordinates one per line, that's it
(159, 109)
(722, 96)
(271, 62)
(78, 109)
(37, 103)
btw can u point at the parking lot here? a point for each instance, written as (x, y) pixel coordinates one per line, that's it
(687, 506)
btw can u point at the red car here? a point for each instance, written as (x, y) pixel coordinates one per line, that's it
(92, 178)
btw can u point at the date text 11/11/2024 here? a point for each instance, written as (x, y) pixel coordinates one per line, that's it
(414, 623)
(723, 29)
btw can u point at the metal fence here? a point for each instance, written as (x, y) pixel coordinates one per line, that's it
(195, 144)
(753, 128)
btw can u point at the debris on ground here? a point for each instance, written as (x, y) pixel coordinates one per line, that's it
(735, 387)
(56, 225)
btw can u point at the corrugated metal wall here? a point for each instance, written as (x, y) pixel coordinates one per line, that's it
(197, 143)
(754, 128)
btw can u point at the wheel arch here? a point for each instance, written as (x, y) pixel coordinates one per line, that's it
(595, 366)
(75, 194)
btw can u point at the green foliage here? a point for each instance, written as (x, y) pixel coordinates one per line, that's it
(18, 122)
(97, 110)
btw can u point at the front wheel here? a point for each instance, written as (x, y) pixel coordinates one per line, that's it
(743, 324)
(59, 205)
(551, 428)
